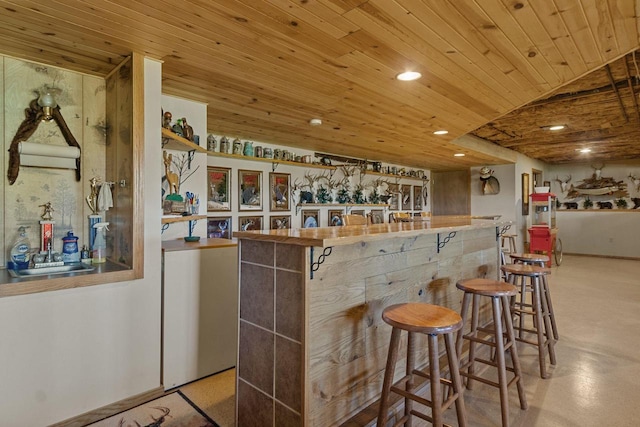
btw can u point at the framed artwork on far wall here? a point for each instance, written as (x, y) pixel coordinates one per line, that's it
(249, 223)
(525, 194)
(250, 190)
(405, 189)
(280, 222)
(394, 192)
(219, 227)
(218, 189)
(310, 218)
(417, 197)
(377, 216)
(279, 191)
(335, 217)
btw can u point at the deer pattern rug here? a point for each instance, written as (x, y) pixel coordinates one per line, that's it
(172, 410)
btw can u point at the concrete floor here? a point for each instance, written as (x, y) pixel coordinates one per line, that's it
(596, 381)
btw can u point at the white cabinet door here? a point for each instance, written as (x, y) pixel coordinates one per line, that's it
(200, 313)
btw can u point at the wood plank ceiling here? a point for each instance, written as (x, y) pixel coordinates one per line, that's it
(266, 68)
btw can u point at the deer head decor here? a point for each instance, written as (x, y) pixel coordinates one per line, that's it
(636, 181)
(564, 185)
(597, 170)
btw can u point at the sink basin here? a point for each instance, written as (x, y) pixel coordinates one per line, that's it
(77, 267)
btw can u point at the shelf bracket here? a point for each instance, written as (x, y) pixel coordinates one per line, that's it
(165, 227)
(190, 155)
(274, 166)
(316, 265)
(501, 230)
(442, 242)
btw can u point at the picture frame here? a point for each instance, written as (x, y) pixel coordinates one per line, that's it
(249, 223)
(280, 222)
(310, 218)
(377, 216)
(394, 191)
(249, 190)
(546, 184)
(279, 191)
(405, 191)
(335, 217)
(218, 189)
(219, 227)
(417, 197)
(525, 194)
(357, 212)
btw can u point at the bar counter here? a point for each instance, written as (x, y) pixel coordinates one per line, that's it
(312, 343)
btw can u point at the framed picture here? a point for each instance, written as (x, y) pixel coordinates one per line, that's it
(357, 212)
(310, 218)
(335, 217)
(405, 189)
(219, 227)
(394, 192)
(250, 190)
(377, 216)
(279, 191)
(279, 222)
(525, 194)
(248, 223)
(218, 189)
(546, 184)
(417, 197)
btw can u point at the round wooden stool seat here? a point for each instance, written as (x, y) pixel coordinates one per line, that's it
(526, 270)
(530, 258)
(424, 318)
(487, 287)
(432, 321)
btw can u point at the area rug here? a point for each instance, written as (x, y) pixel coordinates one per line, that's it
(172, 410)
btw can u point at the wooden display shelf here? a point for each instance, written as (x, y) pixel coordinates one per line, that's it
(348, 206)
(274, 162)
(172, 141)
(170, 219)
(390, 175)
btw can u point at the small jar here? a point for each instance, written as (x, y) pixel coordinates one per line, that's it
(268, 153)
(237, 146)
(211, 143)
(224, 145)
(248, 149)
(257, 151)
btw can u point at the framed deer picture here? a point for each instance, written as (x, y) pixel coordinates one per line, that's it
(248, 223)
(218, 189)
(279, 191)
(250, 190)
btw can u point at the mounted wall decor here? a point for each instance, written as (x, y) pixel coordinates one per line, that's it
(525, 194)
(490, 184)
(42, 109)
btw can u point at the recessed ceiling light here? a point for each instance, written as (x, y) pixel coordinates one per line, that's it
(584, 150)
(458, 155)
(315, 122)
(408, 76)
(441, 132)
(557, 127)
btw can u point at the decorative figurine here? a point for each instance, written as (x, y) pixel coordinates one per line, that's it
(167, 120)
(177, 128)
(187, 130)
(48, 209)
(172, 178)
(93, 197)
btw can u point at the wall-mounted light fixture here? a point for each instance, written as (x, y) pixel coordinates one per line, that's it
(48, 102)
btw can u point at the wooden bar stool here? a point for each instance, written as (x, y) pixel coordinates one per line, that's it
(492, 336)
(541, 261)
(431, 320)
(511, 240)
(538, 309)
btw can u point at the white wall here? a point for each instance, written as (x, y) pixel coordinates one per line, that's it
(67, 352)
(598, 232)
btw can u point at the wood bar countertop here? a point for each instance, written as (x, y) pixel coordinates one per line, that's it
(181, 245)
(346, 235)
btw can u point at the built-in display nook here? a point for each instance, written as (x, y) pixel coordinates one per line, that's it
(105, 115)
